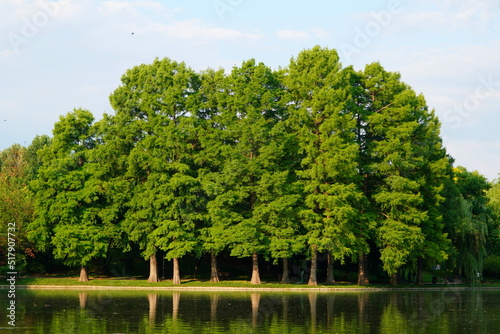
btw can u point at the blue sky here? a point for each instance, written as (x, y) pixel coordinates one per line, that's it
(59, 55)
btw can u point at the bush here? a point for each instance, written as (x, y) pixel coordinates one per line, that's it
(3, 270)
(491, 266)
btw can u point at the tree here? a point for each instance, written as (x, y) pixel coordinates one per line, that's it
(468, 230)
(322, 104)
(492, 262)
(493, 195)
(250, 151)
(162, 214)
(408, 165)
(280, 195)
(16, 204)
(364, 225)
(281, 214)
(210, 161)
(436, 172)
(68, 197)
(258, 162)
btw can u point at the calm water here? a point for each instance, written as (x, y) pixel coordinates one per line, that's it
(59, 311)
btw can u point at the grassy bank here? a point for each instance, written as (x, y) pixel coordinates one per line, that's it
(131, 282)
(127, 282)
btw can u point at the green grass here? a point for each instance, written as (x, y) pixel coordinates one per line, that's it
(134, 282)
(166, 283)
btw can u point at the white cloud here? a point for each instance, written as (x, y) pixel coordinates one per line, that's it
(114, 7)
(59, 9)
(320, 33)
(293, 35)
(29, 19)
(456, 15)
(8, 54)
(449, 73)
(196, 29)
(148, 18)
(302, 35)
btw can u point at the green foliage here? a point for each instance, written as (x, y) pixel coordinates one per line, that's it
(324, 122)
(249, 174)
(314, 156)
(493, 206)
(16, 204)
(408, 167)
(492, 265)
(164, 207)
(68, 196)
(471, 218)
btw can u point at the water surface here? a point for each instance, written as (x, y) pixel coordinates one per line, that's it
(90, 311)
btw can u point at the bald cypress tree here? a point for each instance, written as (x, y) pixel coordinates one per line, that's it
(250, 149)
(210, 160)
(156, 102)
(408, 167)
(323, 110)
(69, 197)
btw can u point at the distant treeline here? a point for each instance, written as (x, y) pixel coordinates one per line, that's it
(312, 158)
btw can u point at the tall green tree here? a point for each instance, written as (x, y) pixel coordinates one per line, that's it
(283, 195)
(408, 164)
(164, 208)
(210, 161)
(68, 197)
(18, 167)
(250, 149)
(436, 172)
(16, 203)
(493, 195)
(364, 225)
(469, 229)
(493, 242)
(322, 103)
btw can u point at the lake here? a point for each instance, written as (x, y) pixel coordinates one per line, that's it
(101, 311)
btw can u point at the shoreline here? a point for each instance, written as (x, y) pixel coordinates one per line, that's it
(256, 289)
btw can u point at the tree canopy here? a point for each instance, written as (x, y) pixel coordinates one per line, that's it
(313, 158)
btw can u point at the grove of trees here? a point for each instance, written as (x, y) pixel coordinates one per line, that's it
(314, 158)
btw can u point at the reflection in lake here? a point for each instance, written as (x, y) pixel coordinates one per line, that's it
(60, 311)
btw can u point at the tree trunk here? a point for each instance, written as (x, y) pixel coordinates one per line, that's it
(153, 269)
(457, 277)
(255, 269)
(285, 279)
(177, 276)
(214, 272)
(314, 261)
(84, 277)
(394, 279)
(362, 270)
(330, 279)
(420, 271)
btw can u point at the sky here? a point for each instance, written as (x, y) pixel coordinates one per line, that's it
(58, 55)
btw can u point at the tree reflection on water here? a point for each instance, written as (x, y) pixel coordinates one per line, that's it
(92, 311)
